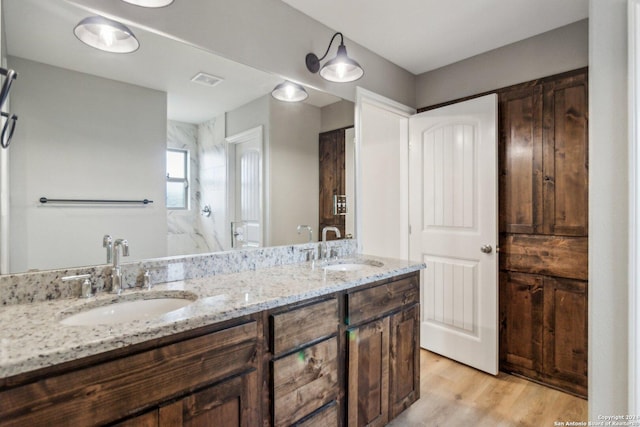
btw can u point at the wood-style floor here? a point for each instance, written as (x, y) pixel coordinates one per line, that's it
(454, 395)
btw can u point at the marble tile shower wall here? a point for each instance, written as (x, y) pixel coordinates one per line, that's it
(185, 235)
(47, 285)
(189, 231)
(212, 178)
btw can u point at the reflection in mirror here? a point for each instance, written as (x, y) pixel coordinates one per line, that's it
(96, 125)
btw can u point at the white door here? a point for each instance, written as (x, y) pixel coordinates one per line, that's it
(247, 194)
(453, 207)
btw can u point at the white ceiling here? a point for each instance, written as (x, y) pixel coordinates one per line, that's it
(42, 31)
(422, 35)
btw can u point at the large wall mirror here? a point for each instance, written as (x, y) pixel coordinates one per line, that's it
(102, 126)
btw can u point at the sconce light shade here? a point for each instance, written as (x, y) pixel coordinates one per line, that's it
(340, 69)
(150, 3)
(106, 34)
(289, 92)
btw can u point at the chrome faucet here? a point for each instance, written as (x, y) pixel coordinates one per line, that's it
(107, 242)
(308, 228)
(324, 248)
(116, 274)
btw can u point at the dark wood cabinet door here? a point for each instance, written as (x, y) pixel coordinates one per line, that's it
(521, 317)
(566, 163)
(565, 333)
(232, 403)
(332, 179)
(368, 374)
(150, 419)
(404, 360)
(544, 229)
(520, 151)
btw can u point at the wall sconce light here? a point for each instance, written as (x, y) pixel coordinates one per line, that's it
(150, 3)
(106, 34)
(289, 92)
(340, 69)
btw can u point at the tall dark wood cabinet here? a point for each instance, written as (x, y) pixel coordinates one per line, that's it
(332, 179)
(544, 230)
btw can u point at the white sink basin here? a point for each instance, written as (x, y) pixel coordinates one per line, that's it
(345, 267)
(352, 265)
(126, 311)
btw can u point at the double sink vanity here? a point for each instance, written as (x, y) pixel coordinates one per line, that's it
(301, 343)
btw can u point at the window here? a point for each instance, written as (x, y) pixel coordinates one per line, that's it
(177, 179)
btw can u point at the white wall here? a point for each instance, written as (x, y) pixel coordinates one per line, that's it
(266, 34)
(4, 170)
(294, 166)
(69, 143)
(338, 115)
(608, 208)
(553, 52)
(291, 163)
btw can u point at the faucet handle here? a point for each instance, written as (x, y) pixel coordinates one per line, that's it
(87, 286)
(146, 280)
(309, 253)
(107, 242)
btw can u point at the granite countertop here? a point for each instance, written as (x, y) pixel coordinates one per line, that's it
(31, 336)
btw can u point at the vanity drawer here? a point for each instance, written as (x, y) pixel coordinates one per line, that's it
(302, 325)
(325, 417)
(381, 299)
(117, 388)
(305, 381)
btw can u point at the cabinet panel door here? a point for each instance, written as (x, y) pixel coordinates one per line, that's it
(305, 381)
(521, 160)
(566, 160)
(150, 419)
(232, 403)
(565, 332)
(404, 375)
(558, 256)
(368, 374)
(521, 306)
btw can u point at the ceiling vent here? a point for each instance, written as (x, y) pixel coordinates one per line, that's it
(206, 79)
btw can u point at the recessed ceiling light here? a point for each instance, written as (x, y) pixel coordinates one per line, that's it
(206, 79)
(106, 34)
(150, 3)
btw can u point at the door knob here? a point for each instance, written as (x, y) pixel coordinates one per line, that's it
(487, 249)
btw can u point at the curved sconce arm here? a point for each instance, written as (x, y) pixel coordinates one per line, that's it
(340, 69)
(8, 129)
(312, 60)
(11, 75)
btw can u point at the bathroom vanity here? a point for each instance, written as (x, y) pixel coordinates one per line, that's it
(287, 345)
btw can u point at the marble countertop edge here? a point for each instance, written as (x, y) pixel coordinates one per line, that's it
(30, 341)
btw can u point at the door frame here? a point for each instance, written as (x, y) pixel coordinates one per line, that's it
(634, 205)
(231, 141)
(364, 96)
